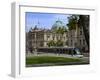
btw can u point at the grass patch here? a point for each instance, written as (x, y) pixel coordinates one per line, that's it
(49, 59)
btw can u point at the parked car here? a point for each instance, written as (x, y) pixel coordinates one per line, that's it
(78, 52)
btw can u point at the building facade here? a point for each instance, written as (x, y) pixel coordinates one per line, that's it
(77, 41)
(40, 38)
(36, 38)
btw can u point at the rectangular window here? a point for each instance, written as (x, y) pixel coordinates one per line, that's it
(83, 42)
(80, 32)
(71, 42)
(80, 42)
(48, 37)
(53, 37)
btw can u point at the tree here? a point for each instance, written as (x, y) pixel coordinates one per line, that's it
(73, 24)
(59, 28)
(59, 43)
(80, 21)
(84, 22)
(51, 43)
(72, 21)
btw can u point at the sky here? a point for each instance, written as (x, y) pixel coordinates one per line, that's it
(43, 20)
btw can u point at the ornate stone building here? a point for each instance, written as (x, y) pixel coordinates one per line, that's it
(36, 38)
(40, 38)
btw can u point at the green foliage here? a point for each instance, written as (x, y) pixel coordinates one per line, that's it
(59, 27)
(51, 43)
(59, 43)
(72, 21)
(60, 30)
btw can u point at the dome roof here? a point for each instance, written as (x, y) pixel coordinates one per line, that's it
(58, 24)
